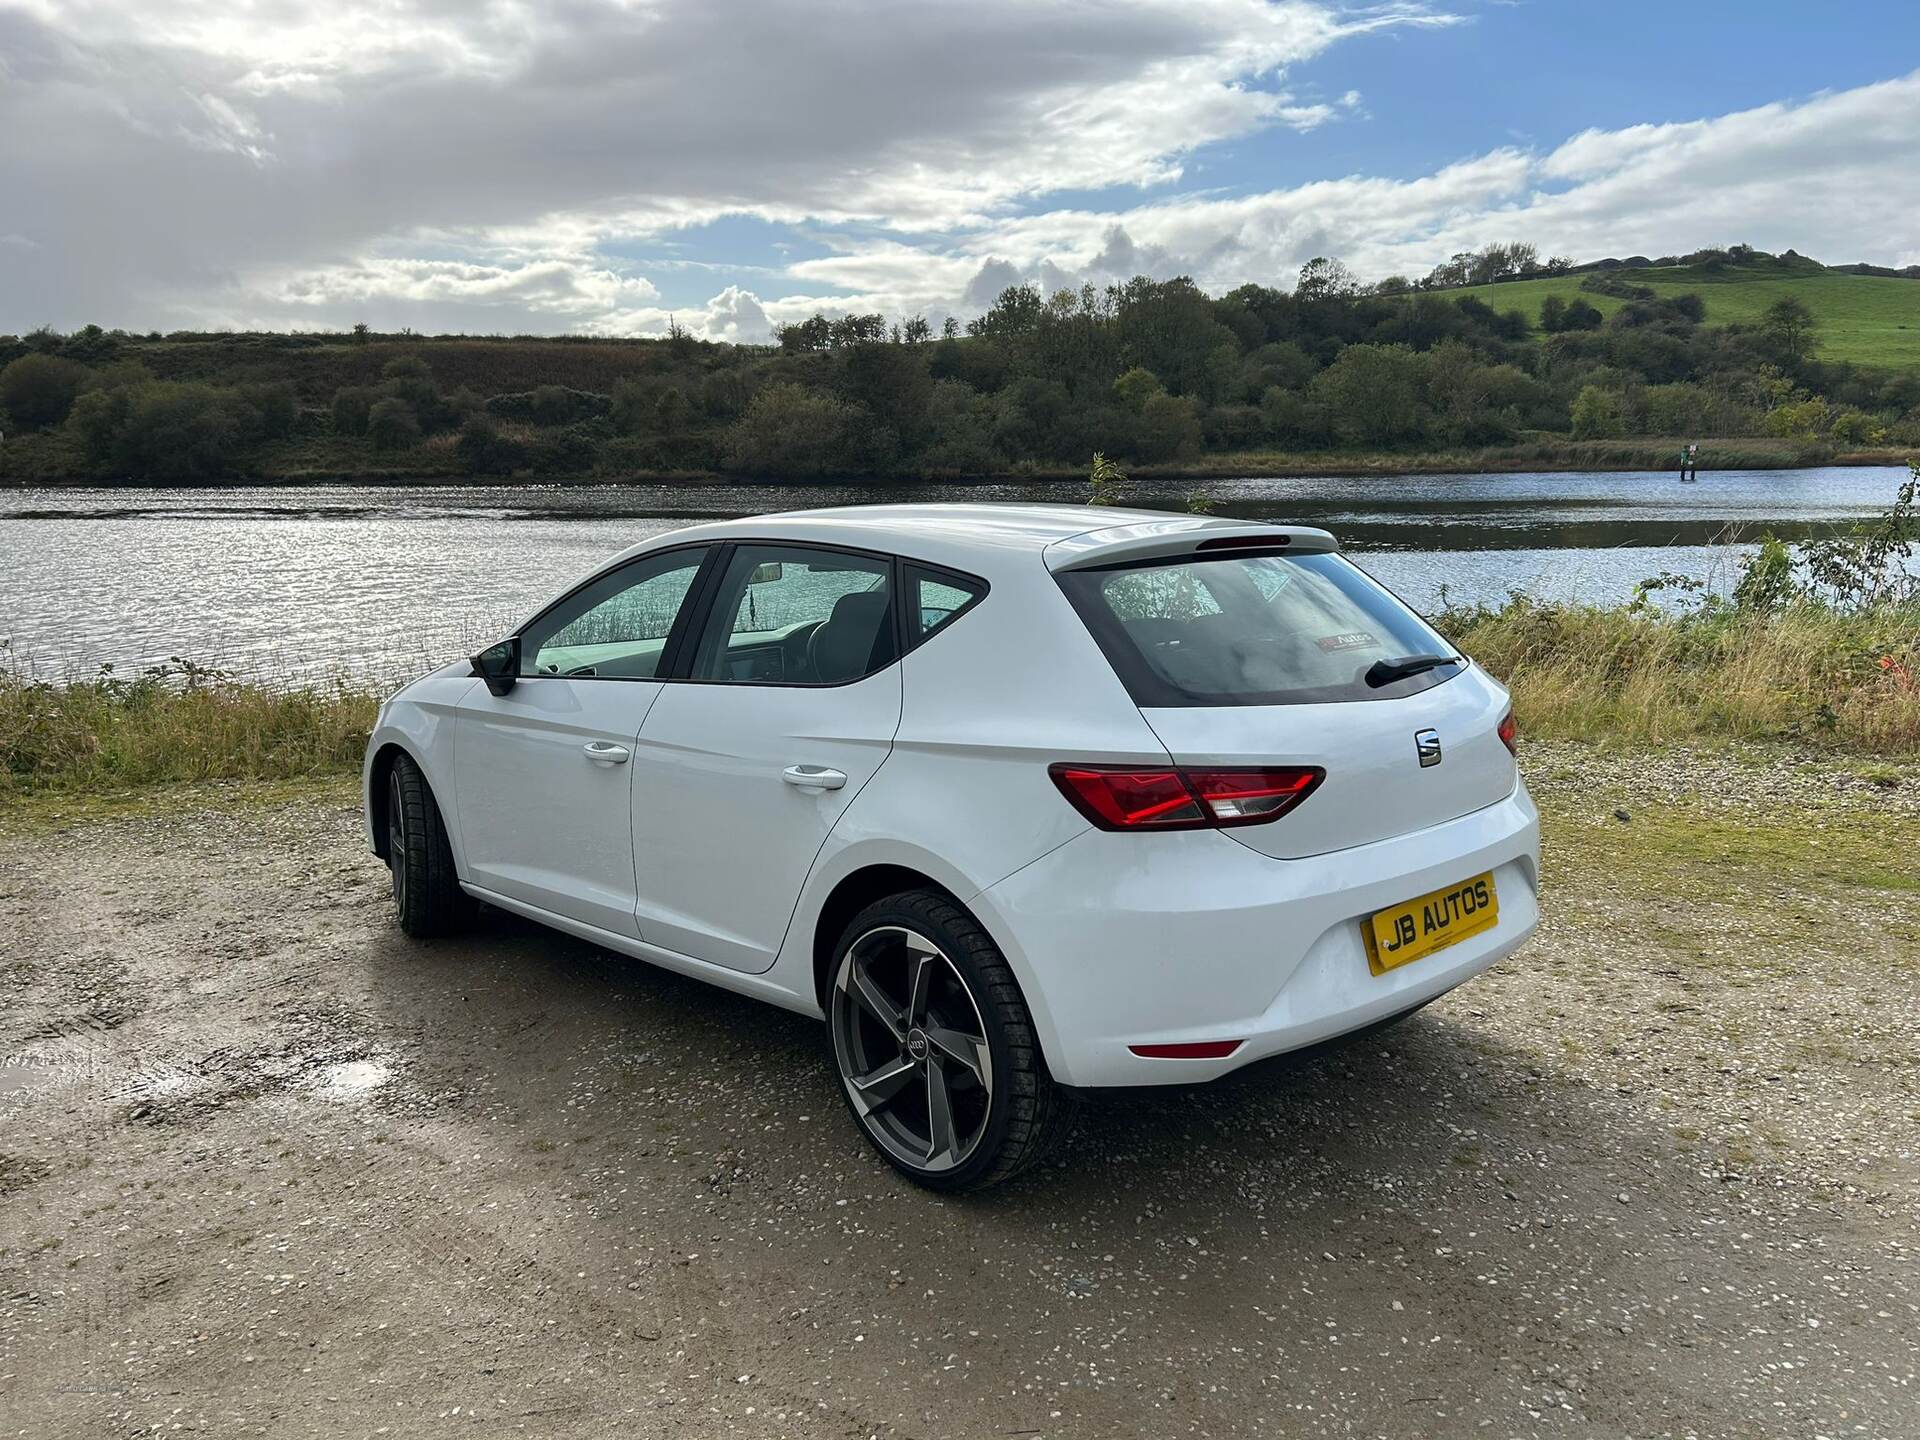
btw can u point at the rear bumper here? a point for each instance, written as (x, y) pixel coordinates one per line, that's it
(1123, 940)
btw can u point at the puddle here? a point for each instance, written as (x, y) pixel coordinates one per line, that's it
(18, 1079)
(351, 1079)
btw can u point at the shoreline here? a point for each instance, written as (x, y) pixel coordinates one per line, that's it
(1547, 456)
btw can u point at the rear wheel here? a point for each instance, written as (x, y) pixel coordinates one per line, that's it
(935, 1047)
(427, 898)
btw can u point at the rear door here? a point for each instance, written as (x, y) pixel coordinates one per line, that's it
(544, 772)
(1243, 658)
(789, 706)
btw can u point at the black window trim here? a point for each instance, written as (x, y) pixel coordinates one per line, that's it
(676, 634)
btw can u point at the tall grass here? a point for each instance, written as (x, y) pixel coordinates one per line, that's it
(181, 722)
(1804, 672)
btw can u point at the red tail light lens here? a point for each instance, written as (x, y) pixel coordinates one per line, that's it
(1129, 799)
(1117, 798)
(1510, 734)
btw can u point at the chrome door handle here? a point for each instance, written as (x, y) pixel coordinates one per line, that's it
(814, 777)
(602, 752)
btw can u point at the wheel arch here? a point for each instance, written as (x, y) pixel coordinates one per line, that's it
(851, 894)
(379, 768)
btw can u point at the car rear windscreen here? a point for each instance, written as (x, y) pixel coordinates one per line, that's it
(1256, 629)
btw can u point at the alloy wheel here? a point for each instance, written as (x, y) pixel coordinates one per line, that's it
(397, 841)
(912, 1048)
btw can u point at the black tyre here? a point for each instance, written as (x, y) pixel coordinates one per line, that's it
(935, 1047)
(426, 892)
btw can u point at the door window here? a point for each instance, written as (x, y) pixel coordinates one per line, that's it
(791, 615)
(615, 628)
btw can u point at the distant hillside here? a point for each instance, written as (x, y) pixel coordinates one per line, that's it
(1864, 319)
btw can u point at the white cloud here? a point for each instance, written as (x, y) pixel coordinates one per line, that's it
(481, 164)
(221, 143)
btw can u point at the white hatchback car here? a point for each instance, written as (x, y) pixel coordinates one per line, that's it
(1020, 799)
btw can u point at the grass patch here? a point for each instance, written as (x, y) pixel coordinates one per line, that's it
(1867, 319)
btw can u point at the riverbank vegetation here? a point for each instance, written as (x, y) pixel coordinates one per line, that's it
(1818, 644)
(1330, 376)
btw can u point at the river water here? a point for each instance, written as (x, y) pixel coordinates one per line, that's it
(380, 581)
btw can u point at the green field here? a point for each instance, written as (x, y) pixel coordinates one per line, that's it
(1867, 319)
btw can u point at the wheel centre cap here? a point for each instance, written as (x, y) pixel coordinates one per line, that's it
(917, 1044)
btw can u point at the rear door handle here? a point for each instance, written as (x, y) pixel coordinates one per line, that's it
(604, 752)
(814, 777)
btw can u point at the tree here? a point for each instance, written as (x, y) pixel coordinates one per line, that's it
(916, 331)
(1789, 327)
(38, 391)
(1373, 394)
(1553, 314)
(1322, 279)
(1136, 387)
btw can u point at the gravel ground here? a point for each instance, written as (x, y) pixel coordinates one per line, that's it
(268, 1167)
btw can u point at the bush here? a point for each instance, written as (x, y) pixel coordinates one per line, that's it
(350, 407)
(277, 404)
(486, 447)
(38, 391)
(393, 425)
(159, 430)
(1598, 414)
(789, 430)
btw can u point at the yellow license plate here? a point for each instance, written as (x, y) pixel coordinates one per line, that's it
(1436, 920)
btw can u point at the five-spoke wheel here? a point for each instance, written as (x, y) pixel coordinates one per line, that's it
(935, 1047)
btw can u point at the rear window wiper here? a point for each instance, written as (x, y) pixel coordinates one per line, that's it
(1385, 672)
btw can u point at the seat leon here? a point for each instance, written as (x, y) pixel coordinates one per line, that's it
(1023, 801)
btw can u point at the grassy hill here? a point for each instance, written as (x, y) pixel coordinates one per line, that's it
(1867, 319)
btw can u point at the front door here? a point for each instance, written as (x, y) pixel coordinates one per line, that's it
(790, 705)
(545, 771)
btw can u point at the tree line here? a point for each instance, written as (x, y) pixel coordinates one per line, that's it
(1150, 371)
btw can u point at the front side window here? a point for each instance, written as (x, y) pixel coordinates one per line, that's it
(793, 615)
(617, 626)
(1257, 630)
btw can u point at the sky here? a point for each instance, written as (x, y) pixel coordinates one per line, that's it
(609, 166)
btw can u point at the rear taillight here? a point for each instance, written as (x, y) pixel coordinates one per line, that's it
(1510, 734)
(1122, 798)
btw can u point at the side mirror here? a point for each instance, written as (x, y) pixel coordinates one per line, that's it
(499, 665)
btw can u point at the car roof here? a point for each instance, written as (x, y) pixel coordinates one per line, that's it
(976, 535)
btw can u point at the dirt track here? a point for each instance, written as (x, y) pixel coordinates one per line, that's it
(267, 1167)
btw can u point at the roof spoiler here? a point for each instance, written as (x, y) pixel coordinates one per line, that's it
(1181, 535)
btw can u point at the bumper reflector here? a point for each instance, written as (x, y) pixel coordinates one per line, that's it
(1196, 1050)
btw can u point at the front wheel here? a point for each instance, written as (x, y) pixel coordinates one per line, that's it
(936, 1049)
(427, 898)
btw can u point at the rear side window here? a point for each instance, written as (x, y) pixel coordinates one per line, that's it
(1254, 630)
(936, 598)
